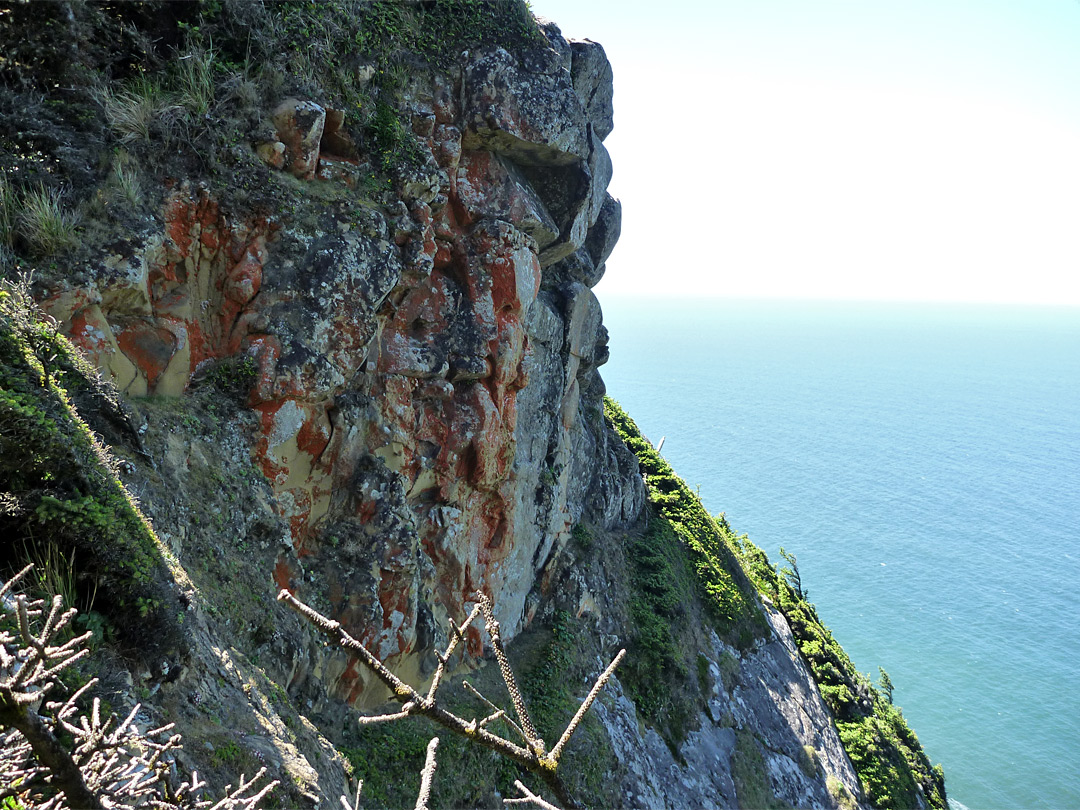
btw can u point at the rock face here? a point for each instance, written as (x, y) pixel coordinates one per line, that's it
(764, 708)
(427, 386)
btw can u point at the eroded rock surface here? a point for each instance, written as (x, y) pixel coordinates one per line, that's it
(427, 396)
(764, 708)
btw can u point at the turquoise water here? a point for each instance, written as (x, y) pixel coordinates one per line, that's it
(923, 462)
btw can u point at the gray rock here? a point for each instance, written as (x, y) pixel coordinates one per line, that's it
(533, 117)
(592, 77)
(603, 234)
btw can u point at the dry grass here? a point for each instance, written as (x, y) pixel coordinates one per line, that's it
(132, 112)
(195, 81)
(45, 223)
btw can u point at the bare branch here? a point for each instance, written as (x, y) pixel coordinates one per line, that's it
(355, 805)
(528, 797)
(605, 676)
(457, 634)
(333, 630)
(532, 757)
(6, 587)
(497, 710)
(108, 764)
(366, 720)
(426, 775)
(527, 727)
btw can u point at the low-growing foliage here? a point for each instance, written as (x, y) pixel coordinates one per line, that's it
(750, 775)
(195, 80)
(728, 593)
(892, 766)
(682, 552)
(60, 486)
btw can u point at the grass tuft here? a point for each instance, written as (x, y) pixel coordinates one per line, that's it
(131, 113)
(126, 182)
(195, 81)
(44, 221)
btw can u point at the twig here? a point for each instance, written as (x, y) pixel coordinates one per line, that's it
(527, 727)
(532, 757)
(355, 805)
(528, 797)
(426, 775)
(605, 676)
(497, 710)
(457, 634)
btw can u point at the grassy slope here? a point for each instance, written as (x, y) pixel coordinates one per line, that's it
(891, 764)
(61, 499)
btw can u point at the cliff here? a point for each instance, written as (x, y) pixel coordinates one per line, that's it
(334, 263)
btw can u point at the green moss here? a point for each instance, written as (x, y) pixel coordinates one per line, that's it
(748, 771)
(810, 761)
(729, 670)
(839, 791)
(59, 486)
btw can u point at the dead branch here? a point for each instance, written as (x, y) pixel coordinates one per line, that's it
(533, 756)
(109, 763)
(528, 797)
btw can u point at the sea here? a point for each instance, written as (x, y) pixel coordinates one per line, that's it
(922, 461)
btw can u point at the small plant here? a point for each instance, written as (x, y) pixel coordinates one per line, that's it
(729, 670)
(749, 773)
(131, 112)
(7, 213)
(809, 761)
(839, 791)
(44, 221)
(227, 753)
(885, 684)
(582, 536)
(128, 185)
(54, 570)
(791, 573)
(195, 81)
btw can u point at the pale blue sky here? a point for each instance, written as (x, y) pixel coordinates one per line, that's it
(884, 149)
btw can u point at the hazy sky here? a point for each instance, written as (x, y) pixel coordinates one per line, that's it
(886, 149)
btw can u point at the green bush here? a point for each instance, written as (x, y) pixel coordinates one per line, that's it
(728, 593)
(892, 766)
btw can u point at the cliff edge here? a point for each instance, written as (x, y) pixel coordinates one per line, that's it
(334, 264)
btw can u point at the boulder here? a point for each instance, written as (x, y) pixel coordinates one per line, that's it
(300, 127)
(592, 78)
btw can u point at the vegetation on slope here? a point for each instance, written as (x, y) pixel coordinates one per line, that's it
(61, 499)
(682, 553)
(729, 594)
(894, 770)
(104, 101)
(892, 766)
